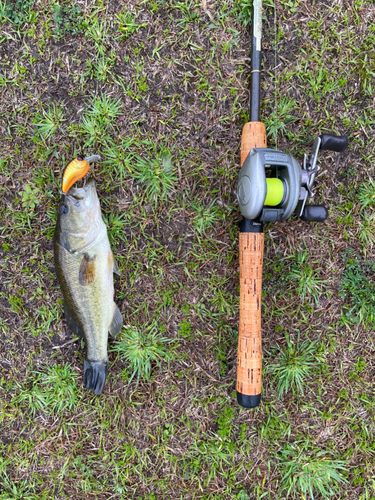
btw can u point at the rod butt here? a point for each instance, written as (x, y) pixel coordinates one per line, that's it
(248, 401)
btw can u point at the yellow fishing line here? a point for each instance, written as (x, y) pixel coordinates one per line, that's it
(275, 192)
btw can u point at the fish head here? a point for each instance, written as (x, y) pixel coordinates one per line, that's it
(79, 217)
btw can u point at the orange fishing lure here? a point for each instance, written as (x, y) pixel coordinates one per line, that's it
(77, 169)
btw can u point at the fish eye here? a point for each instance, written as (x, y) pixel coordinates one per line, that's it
(63, 209)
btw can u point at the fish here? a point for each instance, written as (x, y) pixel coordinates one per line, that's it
(84, 266)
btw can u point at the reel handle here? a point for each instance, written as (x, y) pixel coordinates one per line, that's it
(251, 249)
(314, 213)
(333, 142)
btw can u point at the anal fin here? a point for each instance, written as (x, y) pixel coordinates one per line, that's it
(116, 269)
(116, 325)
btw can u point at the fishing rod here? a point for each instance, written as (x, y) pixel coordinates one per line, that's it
(271, 186)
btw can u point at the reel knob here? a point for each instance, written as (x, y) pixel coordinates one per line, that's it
(333, 142)
(314, 213)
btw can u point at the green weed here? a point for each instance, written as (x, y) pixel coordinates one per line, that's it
(101, 69)
(243, 10)
(30, 197)
(142, 348)
(307, 472)
(118, 159)
(15, 490)
(185, 330)
(98, 31)
(277, 122)
(54, 391)
(292, 5)
(115, 226)
(100, 66)
(49, 121)
(366, 232)
(18, 12)
(138, 84)
(190, 12)
(68, 19)
(366, 194)
(366, 70)
(225, 422)
(127, 24)
(104, 109)
(157, 175)
(358, 288)
(205, 217)
(309, 285)
(16, 304)
(293, 365)
(3, 11)
(97, 123)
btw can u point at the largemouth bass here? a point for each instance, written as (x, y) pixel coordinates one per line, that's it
(84, 266)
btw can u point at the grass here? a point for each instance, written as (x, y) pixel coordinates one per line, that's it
(161, 91)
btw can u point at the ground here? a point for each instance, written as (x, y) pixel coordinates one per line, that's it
(160, 89)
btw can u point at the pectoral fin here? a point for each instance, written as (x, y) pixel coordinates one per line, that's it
(116, 325)
(87, 270)
(112, 265)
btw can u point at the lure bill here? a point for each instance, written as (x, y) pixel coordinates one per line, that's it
(84, 267)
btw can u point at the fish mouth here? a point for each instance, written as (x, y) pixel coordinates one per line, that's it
(79, 194)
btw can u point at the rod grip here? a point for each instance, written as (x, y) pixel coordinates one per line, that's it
(249, 360)
(253, 136)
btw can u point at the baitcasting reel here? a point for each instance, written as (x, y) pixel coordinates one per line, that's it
(272, 184)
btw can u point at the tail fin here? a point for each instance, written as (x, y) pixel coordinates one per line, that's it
(94, 375)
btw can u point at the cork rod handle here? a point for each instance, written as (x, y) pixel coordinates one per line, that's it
(251, 248)
(249, 361)
(253, 136)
